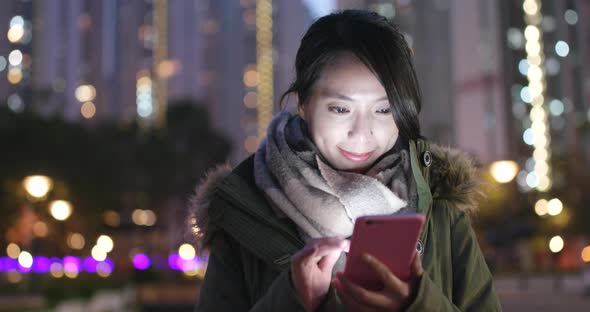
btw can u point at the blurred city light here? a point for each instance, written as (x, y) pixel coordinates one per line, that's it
(37, 186)
(144, 93)
(56, 270)
(3, 63)
(104, 269)
(554, 207)
(111, 218)
(98, 253)
(14, 277)
(60, 209)
(88, 110)
(85, 93)
(541, 207)
(15, 75)
(17, 20)
(12, 250)
(16, 33)
(76, 241)
(186, 252)
(556, 244)
(41, 264)
(562, 48)
(586, 254)
(571, 17)
(15, 58)
(504, 171)
(89, 264)
(141, 261)
(25, 259)
(556, 107)
(143, 217)
(40, 229)
(105, 243)
(72, 264)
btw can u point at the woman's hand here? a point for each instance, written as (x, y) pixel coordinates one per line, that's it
(395, 295)
(311, 269)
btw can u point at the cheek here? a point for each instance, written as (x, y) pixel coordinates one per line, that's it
(388, 136)
(327, 135)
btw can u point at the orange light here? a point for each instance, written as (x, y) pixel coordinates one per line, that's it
(586, 254)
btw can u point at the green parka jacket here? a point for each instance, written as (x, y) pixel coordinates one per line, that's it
(250, 248)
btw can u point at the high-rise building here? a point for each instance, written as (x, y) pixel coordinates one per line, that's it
(459, 68)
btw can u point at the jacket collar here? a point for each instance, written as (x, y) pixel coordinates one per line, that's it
(451, 180)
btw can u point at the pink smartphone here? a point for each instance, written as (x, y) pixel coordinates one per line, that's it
(391, 238)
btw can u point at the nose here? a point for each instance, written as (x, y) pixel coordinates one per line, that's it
(361, 129)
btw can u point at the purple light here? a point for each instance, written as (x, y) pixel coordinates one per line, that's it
(72, 264)
(23, 269)
(141, 261)
(41, 264)
(173, 262)
(89, 265)
(104, 267)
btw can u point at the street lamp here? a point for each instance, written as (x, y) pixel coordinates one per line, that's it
(37, 186)
(60, 209)
(504, 171)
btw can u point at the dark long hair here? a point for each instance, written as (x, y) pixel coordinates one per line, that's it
(378, 44)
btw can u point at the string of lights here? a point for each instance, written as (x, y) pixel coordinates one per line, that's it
(540, 177)
(264, 64)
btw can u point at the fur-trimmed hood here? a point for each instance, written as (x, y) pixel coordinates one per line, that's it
(453, 180)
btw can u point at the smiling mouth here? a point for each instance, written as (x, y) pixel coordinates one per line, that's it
(354, 156)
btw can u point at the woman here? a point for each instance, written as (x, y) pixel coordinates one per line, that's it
(277, 225)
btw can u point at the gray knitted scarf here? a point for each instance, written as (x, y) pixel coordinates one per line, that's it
(323, 201)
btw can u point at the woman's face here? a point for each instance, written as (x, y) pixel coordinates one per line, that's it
(348, 115)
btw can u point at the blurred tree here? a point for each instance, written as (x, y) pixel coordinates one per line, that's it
(96, 168)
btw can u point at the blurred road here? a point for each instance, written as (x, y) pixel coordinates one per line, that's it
(565, 293)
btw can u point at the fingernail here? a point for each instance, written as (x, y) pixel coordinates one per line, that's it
(367, 257)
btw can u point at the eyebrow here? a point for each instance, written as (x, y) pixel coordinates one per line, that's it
(340, 96)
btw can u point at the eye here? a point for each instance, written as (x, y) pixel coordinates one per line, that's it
(384, 111)
(338, 109)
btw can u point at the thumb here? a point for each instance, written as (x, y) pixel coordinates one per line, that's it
(417, 269)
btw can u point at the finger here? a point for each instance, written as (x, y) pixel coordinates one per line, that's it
(327, 262)
(417, 269)
(328, 241)
(347, 300)
(346, 245)
(303, 253)
(364, 296)
(390, 281)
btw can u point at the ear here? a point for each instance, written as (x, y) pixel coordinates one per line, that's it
(300, 108)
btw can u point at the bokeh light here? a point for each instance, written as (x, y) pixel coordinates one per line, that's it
(37, 186)
(76, 241)
(15, 58)
(41, 264)
(186, 252)
(25, 259)
(141, 261)
(541, 207)
(586, 254)
(40, 229)
(104, 269)
(554, 207)
(13, 250)
(98, 253)
(89, 264)
(88, 110)
(556, 244)
(562, 48)
(504, 171)
(56, 269)
(105, 243)
(85, 93)
(60, 209)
